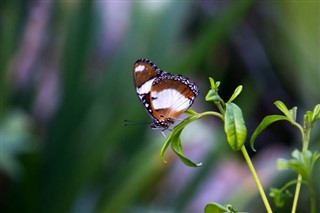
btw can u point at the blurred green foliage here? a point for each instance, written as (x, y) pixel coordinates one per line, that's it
(66, 87)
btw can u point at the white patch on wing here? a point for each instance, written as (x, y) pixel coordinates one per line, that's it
(139, 68)
(170, 98)
(145, 88)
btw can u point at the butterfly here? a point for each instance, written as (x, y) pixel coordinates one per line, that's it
(165, 96)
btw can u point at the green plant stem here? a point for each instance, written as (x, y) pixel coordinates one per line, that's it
(288, 184)
(256, 179)
(221, 109)
(296, 194)
(312, 198)
(211, 113)
(305, 143)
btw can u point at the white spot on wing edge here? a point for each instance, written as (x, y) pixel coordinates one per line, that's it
(145, 88)
(139, 68)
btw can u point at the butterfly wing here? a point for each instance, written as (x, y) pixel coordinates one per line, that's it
(171, 95)
(164, 96)
(144, 73)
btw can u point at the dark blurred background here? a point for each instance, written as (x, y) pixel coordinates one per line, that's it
(67, 86)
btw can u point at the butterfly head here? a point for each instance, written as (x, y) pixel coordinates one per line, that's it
(164, 124)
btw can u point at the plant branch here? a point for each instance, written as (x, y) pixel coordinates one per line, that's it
(256, 179)
(221, 109)
(296, 194)
(305, 143)
(312, 197)
(211, 113)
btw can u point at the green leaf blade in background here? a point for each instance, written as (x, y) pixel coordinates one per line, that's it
(63, 161)
(212, 34)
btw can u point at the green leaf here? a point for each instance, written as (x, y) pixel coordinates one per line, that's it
(177, 148)
(308, 118)
(234, 126)
(279, 196)
(174, 140)
(283, 108)
(293, 165)
(301, 162)
(315, 157)
(16, 139)
(215, 208)
(235, 94)
(316, 113)
(293, 113)
(212, 95)
(282, 164)
(165, 146)
(175, 135)
(218, 208)
(212, 83)
(217, 85)
(264, 124)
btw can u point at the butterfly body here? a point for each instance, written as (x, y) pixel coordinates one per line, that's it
(165, 96)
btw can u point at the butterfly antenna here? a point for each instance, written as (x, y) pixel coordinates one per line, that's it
(134, 123)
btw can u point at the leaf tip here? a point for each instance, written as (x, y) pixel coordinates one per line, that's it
(199, 164)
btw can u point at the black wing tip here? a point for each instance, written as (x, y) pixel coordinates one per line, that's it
(144, 60)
